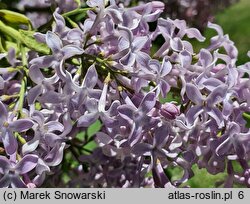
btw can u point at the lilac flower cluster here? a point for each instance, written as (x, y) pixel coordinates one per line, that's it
(195, 12)
(101, 69)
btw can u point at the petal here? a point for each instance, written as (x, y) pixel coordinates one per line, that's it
(9, 142)
(195, 33)
(41, 167)
(176, 44)
(123, 44)
(1, 83)
(142, 149)
(33, 94)
(17, 182)
(71, 50)
(115, 14)
(193, 113)
(75, 34)
(126, 112)
(53, 126)
(5, 181)
(161, 135)
(87, 119)
(217, 95)
(166, 67)
(36, 75)
(216, 114)
(60, 22)
(148, 102)
(4, 165)
(27, 163)
(185, 58)
(206, 58)
(142, 58)
(139, 42)
(55, 156)
(52, 97)
(103, 139)
(54, 42)
(194, 94)
(239, 148)
(43, 62)
(31, 145)
(21, 125)
(4, 113)
(128, 59)
(91, 78)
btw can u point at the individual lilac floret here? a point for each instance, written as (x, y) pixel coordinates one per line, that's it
(138, 118)
(12, 171)
(8, 125)
(130, 48)
(204, 104)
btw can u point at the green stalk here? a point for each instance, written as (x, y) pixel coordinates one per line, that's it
(76, 11)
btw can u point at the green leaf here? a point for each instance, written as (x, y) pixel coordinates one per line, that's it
(29, 40)
(14, 17)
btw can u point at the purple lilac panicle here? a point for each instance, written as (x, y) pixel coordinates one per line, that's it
(103, 69)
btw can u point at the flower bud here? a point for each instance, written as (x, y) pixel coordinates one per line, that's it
(169, 110)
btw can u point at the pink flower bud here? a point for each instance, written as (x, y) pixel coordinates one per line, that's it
(169, 110)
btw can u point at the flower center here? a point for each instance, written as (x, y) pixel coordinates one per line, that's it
(6, 124)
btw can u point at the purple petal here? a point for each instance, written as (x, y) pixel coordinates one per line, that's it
(33, 93)
(21, 125)
(75, 34)
(206, 58)
(126, 112)
(194, 94)
(31, 145)
(91, 77)
(1, 83)
(193, 113)
(142, 149)
(128, 59)
(103, 139)
(60, 22)
(139, 42)
(54, 126)
(4, 114)
(216, 114)
(36, 75)
(17, 182)
(87, 119)
(27, 163)
(52, 97)
(195, 33)
(176, 44)
(161, 135)
(166, 67)
(217, 95)
(9, 142)
(54, 42)
(71, 50)
(4, 165)
(5, 181)
(148, 102)
(55, 156)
